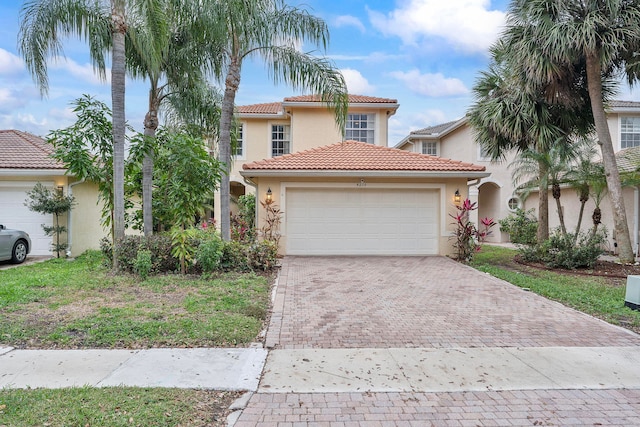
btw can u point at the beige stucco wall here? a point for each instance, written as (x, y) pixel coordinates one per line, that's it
(446, 222)
(84, 224)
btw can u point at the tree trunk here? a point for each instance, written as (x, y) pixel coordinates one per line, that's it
(543, 207)
(150, 127)
(594, 81)
(224, 150)
(582, 203)
(117, 100)
(556, 196)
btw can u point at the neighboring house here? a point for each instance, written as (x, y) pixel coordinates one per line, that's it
(24, 161)
(496, 195)
(345, 194)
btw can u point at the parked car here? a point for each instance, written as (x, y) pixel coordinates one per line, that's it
(15, 245)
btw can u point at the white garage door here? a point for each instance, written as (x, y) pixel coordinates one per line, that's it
(14, 214)
(361, 221)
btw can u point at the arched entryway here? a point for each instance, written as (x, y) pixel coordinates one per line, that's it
(489, 207)
(236, 189)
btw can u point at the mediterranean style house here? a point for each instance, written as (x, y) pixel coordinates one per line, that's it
(496, 194)
(345, 194)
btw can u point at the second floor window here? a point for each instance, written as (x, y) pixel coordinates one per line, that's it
(239, 148)
(430, 148)
(629, 132)
(360, 127)
(280, 140)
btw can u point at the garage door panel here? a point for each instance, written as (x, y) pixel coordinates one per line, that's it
(14, 214)
(361, 221)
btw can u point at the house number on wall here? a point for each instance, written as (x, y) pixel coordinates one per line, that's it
(362, 183)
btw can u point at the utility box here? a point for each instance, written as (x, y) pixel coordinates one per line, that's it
(632, 296)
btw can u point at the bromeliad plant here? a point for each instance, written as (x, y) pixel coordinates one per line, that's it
(468, 238)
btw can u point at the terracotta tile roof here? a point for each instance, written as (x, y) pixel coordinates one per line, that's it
(267, 108)
(628, 160)
(22, 150)
(360, 156)
(355, 99)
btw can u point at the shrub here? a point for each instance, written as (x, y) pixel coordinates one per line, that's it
(263, 255)
(235, 257)
(521, 226)
(158, 245)
(209, 254)
(468, 238)
(566, 251)
(143, 263)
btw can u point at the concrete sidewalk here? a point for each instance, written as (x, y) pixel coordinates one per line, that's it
(211, 368)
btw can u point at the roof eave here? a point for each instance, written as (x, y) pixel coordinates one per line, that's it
(31, 172)
(324, 173)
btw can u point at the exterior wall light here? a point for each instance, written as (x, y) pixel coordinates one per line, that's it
(60, 189)
(457, 198)
(269, 198)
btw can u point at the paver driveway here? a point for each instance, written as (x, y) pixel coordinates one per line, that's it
(432, 303)
(422, 302)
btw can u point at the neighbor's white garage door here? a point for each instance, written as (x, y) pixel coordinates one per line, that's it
(14, 214)
(361, 221)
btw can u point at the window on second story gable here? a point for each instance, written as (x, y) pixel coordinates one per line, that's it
(280, 140)
(430, 148)
(629, 132)
(360, 127)
(239, 148)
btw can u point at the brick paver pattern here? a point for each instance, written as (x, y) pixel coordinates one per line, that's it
(419, 302)
(428, 302)
(488, 408)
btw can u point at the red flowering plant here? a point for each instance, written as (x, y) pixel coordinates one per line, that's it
(468, 238)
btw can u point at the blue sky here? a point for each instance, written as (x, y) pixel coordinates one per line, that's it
(424, 53)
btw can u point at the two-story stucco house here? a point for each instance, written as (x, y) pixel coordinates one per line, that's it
(345, 194)
(496, 195)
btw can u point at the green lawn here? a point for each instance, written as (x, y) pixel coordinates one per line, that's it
(115, 407)
(80, 304)
(598, 296)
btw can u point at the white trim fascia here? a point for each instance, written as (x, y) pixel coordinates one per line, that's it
(359, 173)
(32, 172)
(426, 186)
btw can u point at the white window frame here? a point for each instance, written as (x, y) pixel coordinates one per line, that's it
(370, 122)
(518, 202)
(482, 157)
(286, 140)
(241, 148)
(634, 131)
(434, 145)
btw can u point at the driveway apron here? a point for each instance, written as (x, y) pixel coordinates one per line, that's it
(394, 341)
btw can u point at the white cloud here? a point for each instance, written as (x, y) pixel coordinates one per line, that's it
(466, 24)
(83, 72)
(25, 122)
(10, 64)
(349, 21)
(356, 82)
(13, 99)
(436, 85)
(401, 124)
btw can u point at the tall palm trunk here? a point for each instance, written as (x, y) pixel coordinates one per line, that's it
(232, 82)
(594, 82)
(543, 206)
(118, 106)
(150, 127)
(556, 195)
(584, 198)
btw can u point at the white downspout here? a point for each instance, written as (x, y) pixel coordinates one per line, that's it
(636, 225)
(69, 233)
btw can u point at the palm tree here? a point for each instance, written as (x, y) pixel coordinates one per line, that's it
(167, 49)
(271, 30)
(582, 174)
(601, 37)
(103, 25)
(510, 114)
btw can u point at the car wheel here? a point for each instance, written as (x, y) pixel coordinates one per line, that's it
(19, 253)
